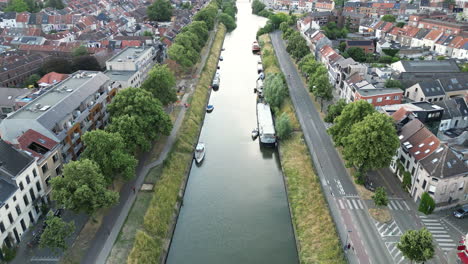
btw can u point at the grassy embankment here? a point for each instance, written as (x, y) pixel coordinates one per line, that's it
(152, 237)
(317, 238)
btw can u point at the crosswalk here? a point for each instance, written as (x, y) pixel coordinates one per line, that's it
(396, 254)
(439, 233)
(398, 205)
(388, 229)
(351, 203)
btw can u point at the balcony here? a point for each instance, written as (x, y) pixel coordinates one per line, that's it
(78, 147)
(75, 137)
(65, 148)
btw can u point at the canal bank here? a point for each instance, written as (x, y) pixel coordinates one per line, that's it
(151, 242)
(235, 206)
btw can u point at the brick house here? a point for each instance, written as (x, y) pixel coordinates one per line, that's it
(366, 45)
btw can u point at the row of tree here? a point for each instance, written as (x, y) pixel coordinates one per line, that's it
(137, 118)
(274, 22)
(228, 14)
(258, 8)
(160, 10)
(187, 45)
(31, 5)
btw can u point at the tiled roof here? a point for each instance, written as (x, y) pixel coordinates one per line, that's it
(32, 136)
(443, 163)
(433, 35)
(52, 78)
(418, 140)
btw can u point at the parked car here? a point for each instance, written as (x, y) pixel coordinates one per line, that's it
(462, 212)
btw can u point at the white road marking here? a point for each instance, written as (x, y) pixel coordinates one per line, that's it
(355, 204)
(432, 224)
(437, 235)
(430, 220)
(435, 228)
(349, 204)
(360, 204)
(390, 205)
(407, 207)
(447, 244)
(341, 204)
(444, 240)
(399, 206)
(438, 231)
(422, 216)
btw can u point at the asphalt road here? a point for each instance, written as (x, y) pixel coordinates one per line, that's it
(331, 170)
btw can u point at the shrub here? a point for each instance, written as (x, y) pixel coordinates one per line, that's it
(380, 197)
(283, 126)
(406, 180)
(427, 204)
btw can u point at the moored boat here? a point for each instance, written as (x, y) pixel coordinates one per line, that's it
(200, 152)
(209, 108)
(266, 127)
(255, 47)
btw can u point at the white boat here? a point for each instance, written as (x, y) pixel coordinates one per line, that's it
(266, 127)
(199, 152)
(254, 134)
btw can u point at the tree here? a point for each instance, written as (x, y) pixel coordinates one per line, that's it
(380, 197)
(283, 126)
(200, 29)
(309, 65)
(388, 18)
(178, 53)
(440, 57)
(342, 46)
(406, 180)
(189, 41)
(56, 233)
(228, 21)
(427, 204)
(352, 114)
(284, 26)
(393, 84)
(356, 53)
(257, 6)
(160, 10)
(57, 4)
(80, 51)
(147, 33)
(108, 151)
(400, 24)
(16, 6)
(208, 15)
(390, 52)
(85, 63)
(371, 143)
(321, 88)
(32, 80)
(416, 245)
(275, 90)
(138, 117)
(59, 65)
(334, 110)
(297, 46)
(82, 188)
(160, 82)
(464, 67)
(333, 32)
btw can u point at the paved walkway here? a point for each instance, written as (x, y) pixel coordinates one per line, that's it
(103, 242)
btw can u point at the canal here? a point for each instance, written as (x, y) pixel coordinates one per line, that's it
(235, 206)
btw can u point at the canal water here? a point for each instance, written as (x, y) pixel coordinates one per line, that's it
(235, 206)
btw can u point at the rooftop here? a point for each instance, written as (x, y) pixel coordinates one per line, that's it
(13, 161)
(443, 163)
(430, 66)
(128, 54)
(119, 75)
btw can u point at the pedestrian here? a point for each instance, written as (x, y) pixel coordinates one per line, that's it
(349, 245)
(133, 189)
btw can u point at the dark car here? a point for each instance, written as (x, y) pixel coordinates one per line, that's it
(462, 212)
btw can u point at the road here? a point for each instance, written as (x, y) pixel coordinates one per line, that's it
(348, 210)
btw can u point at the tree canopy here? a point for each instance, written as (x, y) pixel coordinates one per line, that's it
(56, 233)
(371, 143)
(82, 188)
(332, 31)
(208, 15)
(57, 4)
(427, 204)
(108, 151)
(356, 53)
(257, 7)
(321, 88)
(297, 46)
(283, 126)
(80, 51)
(380, 197)
(388, 18)
(309, 65)
(144, 114)
(16, 6)
(60, 65)
(228, 21)
(160, 10)
(416, 245)
(32, 79)
(275, 90)
(160, 82)
(87, 63)
(335, 110)
(352, 114)
(393, 84)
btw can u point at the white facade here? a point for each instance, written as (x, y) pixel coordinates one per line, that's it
(19, 211)
(132, 59)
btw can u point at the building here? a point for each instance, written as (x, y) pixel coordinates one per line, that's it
(423, 111)
(130, 66)
(455, 113)
(8, 97)
(64, 112)
(51, 78)
(21, 194)
(47, 154)
(17, 69)
(366, 45)
(438, 89)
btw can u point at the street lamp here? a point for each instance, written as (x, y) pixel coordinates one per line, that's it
(347, 236)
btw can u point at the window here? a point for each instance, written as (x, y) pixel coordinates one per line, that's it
(379, 99)
(412, 171)
(424, 184)
(396, 97)
(10, 217)
(23, 225)
(33, 195)
(421, 99)
(435, 99)
(58, 170)
(28, 181)
(369, 101)
(432, 189)
(47, 181)
(21, 186)
(34, 173)
(25, 199)
(14, 198)
(7, 206)
(18, 210)
(38, 186)
(31, 218)
(2, 227)
(429, 100)
(55, 158)
(45, 168)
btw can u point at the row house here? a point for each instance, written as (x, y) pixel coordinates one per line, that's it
(455, 114)
(425, 112)
(64, 112)
(438, 89)
(16, 69)
(324, 5)
(447, 27)
(22, 194)
(8, 99)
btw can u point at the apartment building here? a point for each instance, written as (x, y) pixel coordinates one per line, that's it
(65, 112)
(21, 195)
(438, 89)
(130, 66)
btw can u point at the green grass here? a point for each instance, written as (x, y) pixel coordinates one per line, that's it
(150, 239)
(316, 234)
